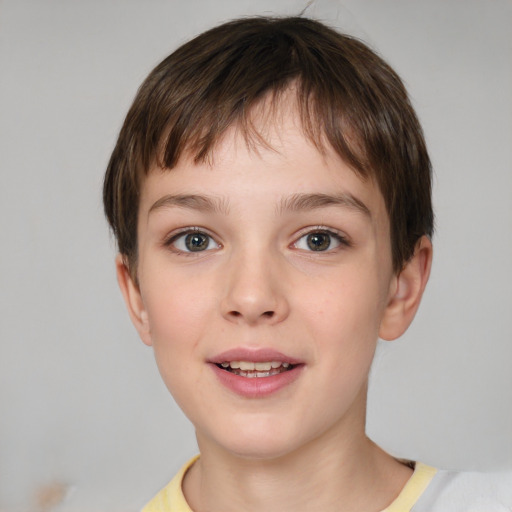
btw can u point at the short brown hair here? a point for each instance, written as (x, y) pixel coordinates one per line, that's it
(346, 95)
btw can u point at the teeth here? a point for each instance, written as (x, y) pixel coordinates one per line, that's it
(251, 366)
(254, 375)
(262, 366)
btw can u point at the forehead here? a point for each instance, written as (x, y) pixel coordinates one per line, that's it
(273, 158)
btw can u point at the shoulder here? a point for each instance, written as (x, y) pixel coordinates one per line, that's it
(171, 498)
(467, 492)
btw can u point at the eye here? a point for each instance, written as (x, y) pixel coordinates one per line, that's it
(320, 241)
(193, 241)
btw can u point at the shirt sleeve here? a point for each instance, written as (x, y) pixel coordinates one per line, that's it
(467, 492)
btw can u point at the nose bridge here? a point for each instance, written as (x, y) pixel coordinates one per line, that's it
(254, 293)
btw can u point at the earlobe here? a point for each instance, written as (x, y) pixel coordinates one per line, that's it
(408, 290)
(133, 299)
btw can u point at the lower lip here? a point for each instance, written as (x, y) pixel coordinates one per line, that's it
(256, 387)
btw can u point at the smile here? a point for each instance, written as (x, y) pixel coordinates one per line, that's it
(251, 369)
(255, 372)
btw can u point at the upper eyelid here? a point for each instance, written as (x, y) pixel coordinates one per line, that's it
(170, 237)
(324, 229)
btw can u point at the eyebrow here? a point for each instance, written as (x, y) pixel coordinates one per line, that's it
(293, 203)
(193, 202)
(300, 202)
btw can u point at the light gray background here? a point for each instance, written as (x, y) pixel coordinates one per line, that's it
(81, 400)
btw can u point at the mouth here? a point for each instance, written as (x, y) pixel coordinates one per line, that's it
(258, 370)
(256, 373)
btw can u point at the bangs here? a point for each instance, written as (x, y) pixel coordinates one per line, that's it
(253, 120)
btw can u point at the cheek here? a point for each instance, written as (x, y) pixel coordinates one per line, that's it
(345, 321)
(176, 306)
(348, 306)
(177, 323)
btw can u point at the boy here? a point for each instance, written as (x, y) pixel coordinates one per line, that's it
(270, 196)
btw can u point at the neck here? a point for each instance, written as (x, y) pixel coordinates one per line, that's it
(335, 472)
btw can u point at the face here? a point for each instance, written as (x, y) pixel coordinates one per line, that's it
(264, 278)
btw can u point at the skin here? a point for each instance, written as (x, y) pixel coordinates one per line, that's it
(259, 284)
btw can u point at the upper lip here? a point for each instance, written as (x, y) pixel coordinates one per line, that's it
(256, 355)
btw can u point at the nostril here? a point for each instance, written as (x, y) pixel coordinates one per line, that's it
(266, 314)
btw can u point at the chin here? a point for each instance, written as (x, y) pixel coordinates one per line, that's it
(267, 442)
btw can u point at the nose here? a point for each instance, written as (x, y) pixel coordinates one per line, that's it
(255, 290)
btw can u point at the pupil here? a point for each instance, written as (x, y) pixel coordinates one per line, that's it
(318, 241)
(196, 242)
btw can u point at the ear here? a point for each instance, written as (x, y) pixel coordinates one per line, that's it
(133, 299)
(407, 290)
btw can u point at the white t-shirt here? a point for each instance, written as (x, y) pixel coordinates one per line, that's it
(450, 491)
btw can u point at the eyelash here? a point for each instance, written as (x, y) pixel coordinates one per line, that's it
(318, 230)
(171, 241)
(333, 235)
